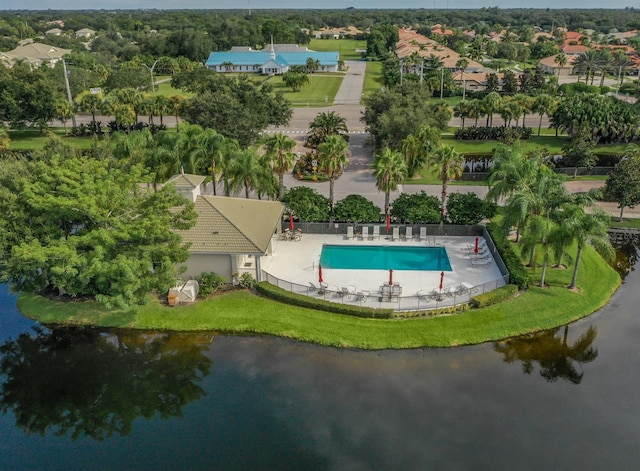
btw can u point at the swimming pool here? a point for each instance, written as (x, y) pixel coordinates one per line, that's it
(384, 257)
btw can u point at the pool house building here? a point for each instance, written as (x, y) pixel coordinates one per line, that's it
(275, 61)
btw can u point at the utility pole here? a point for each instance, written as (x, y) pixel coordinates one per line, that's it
(66, 82)
(441, 82)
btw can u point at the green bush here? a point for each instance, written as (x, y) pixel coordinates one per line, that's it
(307, 204)
(287, 297)
(356, 208)
(468, 208)
(518, 273)
(244, 280)
(418, 208)
(494, 297)
(209, 282)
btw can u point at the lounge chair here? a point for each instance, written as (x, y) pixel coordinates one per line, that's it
(362, 296)
(423, 233)
(333, 289)
(376, 232)
(481, 263)
(395, 234)
(365, 232)
(320, 288)
(408, 233)
(350, 232)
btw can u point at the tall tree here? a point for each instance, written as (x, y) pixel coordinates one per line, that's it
(623, 185)
(326, 124)
(279, 154)
(390, 170)
(416, 148)
(244, 169)
(333, 156)
(449, 165)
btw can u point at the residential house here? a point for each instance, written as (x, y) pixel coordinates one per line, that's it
(85, 33)
(550, 66)
(35, 54)
(189, 186)
(53, 32)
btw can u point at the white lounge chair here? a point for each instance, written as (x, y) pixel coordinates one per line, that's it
(396, 233)
(350, 232)
(481, 263)
(408, 233)
(376, 232)
(362, 296)
(423, 233)
(365, 232)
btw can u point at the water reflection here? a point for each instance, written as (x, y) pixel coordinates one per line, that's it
(626, 257)
(556, 358)
(84, 382)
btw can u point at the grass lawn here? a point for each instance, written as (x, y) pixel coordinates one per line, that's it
(166, 89)
(630, 223)
(35, 140)
(372, 78)
(346, 47)
(243, 312)
(320, 91)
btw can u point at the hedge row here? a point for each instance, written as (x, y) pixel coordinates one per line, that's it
(295, 299)
(483, 133)
(494, 297)
(517, 271)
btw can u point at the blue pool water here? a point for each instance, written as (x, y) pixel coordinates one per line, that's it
(384, 257)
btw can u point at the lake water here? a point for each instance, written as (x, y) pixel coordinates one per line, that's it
(86, 399)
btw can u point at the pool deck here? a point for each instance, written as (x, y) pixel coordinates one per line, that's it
(296, 262)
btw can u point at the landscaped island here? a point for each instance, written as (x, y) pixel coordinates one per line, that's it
(243, 312)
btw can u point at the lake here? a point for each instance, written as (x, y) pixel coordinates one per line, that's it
(91, 399)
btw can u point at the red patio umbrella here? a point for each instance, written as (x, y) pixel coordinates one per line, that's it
(441, 278)
(388, 222)
(476, 249)
(390, 276)
(319, 273)
(291, 222)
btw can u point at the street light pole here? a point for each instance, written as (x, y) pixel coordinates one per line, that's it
(441, 82)
(66, 82)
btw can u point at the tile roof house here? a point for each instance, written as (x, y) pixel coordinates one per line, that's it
(550, 66)
(85, 33)
(189, 186)
(35, 54)
(570, 49)
(270, 62)
(230, 235)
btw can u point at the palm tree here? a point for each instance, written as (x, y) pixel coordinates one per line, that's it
(327, 123)
(561, 60)
(462, 110)
(589, 63)
(63, 111)
(212, 148)
(244, 170)
(280, 157)
(449, 165)
(390, 170)
(462, 64)
(544, 104)
(175, 106)
(605, 61)
(491, 104)
(416, 148)
(332, 154)
(587, 228)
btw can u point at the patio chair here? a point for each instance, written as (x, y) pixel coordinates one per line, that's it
(423, 233)
(350, 232)
(376, 233)
(395, 234)
(333, 289)
(408, 233)
(365, 232)
(362, 296)
(481, 263)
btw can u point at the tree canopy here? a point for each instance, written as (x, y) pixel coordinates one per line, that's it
(82, 227)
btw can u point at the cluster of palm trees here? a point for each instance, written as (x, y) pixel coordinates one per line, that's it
(601, 61)
(510, 108)
(127, 104)
(421, 151)
(547, 217)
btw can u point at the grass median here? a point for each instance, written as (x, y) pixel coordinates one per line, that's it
(243, 312)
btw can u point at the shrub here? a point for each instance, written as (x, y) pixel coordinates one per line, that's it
(467, 208)
(517, 271)
(356, 208)
(209, 283)
(287, 297)
(494, 297)
(307, 204)
(244, 280)
(418, 208)
(494, 133)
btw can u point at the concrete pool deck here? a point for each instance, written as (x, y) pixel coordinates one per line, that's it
(296, 263)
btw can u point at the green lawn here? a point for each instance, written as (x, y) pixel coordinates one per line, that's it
(320, 91)
(166, 89)
(35, 140)
(346, 47)
(243, 312)
(372, 78)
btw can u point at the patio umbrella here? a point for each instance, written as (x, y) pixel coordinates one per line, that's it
(476, 249)
(291, 223)
(441, 278)
(388, 222)
(390, 276)
(319, 273)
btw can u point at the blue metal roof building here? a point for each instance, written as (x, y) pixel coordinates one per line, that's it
(269, 62)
